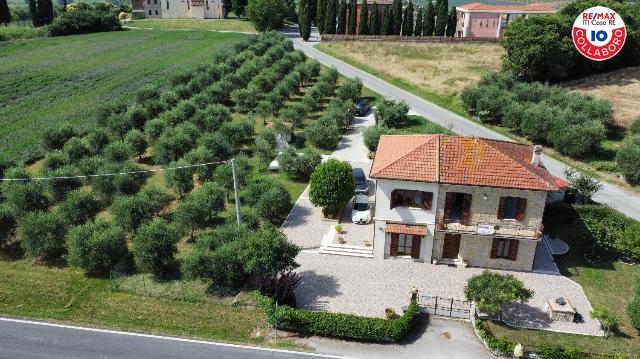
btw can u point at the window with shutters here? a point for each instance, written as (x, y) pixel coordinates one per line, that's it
(503, 248)
(413, 199)
(405, 245)
(457, 208)
(512, 208)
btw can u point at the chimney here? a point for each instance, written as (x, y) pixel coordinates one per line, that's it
(535, 159)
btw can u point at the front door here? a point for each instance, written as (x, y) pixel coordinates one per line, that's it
(451, 246)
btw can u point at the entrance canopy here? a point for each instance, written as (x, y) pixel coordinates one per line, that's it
(406, 229)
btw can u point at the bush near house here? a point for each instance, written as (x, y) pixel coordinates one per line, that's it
(341, 326)
(574, 124)
(84, 21)
(331, 186)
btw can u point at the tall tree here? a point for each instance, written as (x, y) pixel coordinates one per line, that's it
(374, 20)
(429, 20)
(418, 29)
(407, 24)
(352, 17)
(342, 17)
(304, 19)
(442, 15)
(238, 7)
(363, 26)
(5, 14)
(330, 17)
(321, 8)
(45, 11)
(33, 9)
(386, 27)
(313, 9)
(452, 22)
(396, 15)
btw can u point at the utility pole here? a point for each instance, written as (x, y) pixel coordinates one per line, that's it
(236, 191)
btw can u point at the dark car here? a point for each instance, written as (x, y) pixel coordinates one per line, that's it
(362, 187)
(362, 107)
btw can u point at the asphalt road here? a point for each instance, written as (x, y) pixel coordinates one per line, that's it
(34, 340)
(611, 195)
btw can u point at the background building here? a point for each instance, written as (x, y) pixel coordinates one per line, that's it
(485, 20)
(179, 9)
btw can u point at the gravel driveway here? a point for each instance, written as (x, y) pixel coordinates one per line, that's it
(366, 286)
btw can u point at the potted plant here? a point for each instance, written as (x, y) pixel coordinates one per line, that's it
(338, 228)
(389, 313)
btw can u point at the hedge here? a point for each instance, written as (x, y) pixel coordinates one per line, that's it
(501, 345)
(337, 325)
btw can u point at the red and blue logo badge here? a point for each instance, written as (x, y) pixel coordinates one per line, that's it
(599, 33)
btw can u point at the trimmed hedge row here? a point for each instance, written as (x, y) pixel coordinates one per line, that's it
(337, 325)
(500, 345)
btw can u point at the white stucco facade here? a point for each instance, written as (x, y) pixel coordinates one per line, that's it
(180, 9)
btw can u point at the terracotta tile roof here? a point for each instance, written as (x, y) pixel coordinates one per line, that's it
(561, 183)
(460, 160)
(406, 229)
(533, 7)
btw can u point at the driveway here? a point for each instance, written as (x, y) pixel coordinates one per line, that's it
(365, 286)
(352, 148)
(611, 195)
(439, 339)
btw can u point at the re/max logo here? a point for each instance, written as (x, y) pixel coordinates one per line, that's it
(598, 16)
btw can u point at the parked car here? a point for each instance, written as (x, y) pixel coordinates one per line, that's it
(362, 107)
(361, 212)
(362, 186)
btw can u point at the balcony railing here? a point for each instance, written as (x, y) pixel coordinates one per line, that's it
(506, 228)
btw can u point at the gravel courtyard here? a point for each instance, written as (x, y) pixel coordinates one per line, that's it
(366, 286)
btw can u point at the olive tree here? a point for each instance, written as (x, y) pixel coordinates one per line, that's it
(628, 159)
(392, 114)
(491, 291)
(79, 207)
(137, 142)
(96, 246)
(371, 136)
(41, 235)
(200, 207)
(155, 246)
(331, 186)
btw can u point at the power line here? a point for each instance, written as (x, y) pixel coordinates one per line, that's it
(111, 174)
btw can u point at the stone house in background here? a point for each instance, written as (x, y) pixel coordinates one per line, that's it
(487, 20)
(179, 9)
(459, 200)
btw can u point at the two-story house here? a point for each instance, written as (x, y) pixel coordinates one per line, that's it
(459, 200)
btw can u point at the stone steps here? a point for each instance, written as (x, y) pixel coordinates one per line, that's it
(345, 250)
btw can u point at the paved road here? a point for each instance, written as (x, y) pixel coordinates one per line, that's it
(614, 196)
(34, 340)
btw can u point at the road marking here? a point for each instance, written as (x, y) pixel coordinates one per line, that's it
(177, 339)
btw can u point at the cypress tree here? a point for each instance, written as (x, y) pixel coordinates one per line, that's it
(442, 15)
(45, 11)
(363, 26)
(418, 28)
(313, 6)
(407, 25)
(386, 28)
(352, 17)
(304, 19)
(5, 14)
(33, 9)
(396, 15)
(321, 8)
(374, 20)
(429, 20)
(342, 17)
(330, 17)
(452, 23)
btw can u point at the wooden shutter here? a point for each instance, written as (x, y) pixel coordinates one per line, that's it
(521, 209)
(415, 246)
(503, 202)
(392, 203)
(448, 204)
(466, 209)
(394, 244)
(513, 249)
(494, 248)
(427, 200)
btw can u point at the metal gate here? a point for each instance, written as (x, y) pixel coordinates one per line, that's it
(445, 307)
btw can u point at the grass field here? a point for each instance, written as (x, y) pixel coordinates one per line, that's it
(48, 81)
(15, 31)
(607, 283)
(195, 24)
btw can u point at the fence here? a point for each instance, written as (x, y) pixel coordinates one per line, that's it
(446, 307)
(400, 38)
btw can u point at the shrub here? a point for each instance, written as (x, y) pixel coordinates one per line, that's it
(79, 207)
(172, 144)
(169, 99)
(608, 321)
(217, 144)
(96, 246)
(577, 140)
(179, 179)
(557, 351)
(604, 227)
(7, 223)
(635, 126)
(138, 116)
(211, 118)
(245, 99)
(238, 133)
(268, 252)
(491, 102)
(154, 129)
(350, 90)
(97, 140)
(155, 246)
(628, 159)
(54, 160)
(119, 124)
(293, 114)
(323, 134)
(336, 325)
(83, 21)
(118, 151)
(107, 186)
(536, 121)
(371, 136)
(300, 167)
(501, 345)
(269, 197)
(76, 149)
(331, 186)
(224, 176)
(200, 207)
(633, 308)
(24, 197)
(42, 235)
(59, 188)
(55, 138)
(491, 291)
(392, 114)
(137, 142)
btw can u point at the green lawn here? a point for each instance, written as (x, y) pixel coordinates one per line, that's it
(419, 124)
(607, 283)
(66, 294)
(234, 25)
(14, 31)
(48, 81)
